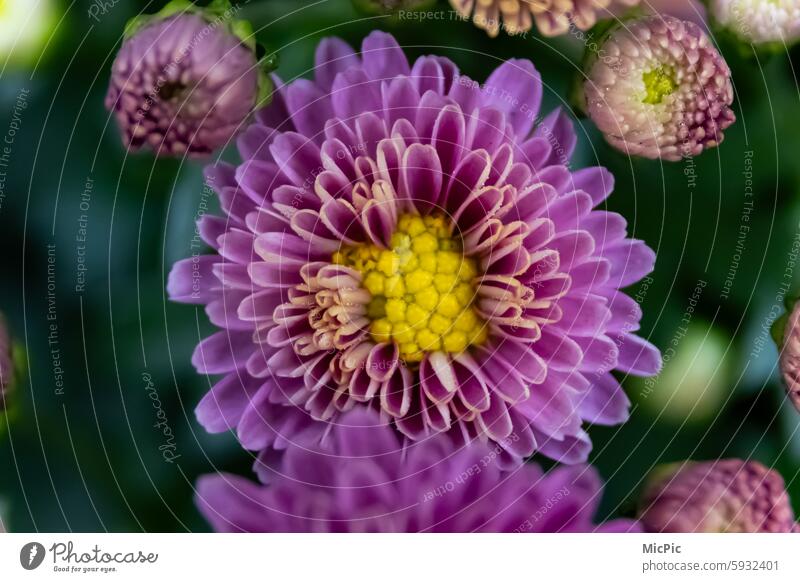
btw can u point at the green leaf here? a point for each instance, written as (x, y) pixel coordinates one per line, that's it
(244, 31)
(216, 12)
(265, 87)
(137, 23)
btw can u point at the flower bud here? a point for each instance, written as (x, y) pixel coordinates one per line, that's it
(183, 81)
(786, 332)
(759, 21)
(728, 495)
(658, 88)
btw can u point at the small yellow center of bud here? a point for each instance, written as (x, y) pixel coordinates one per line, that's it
(658, 83)
(422, 288)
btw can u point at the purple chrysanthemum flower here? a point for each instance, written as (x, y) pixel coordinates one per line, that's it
(789, 346)
(660, 89)
(364, 482)
(552, 17)
(717, 496)
(182, 84)
(400, 238)
(759, 21)
(6, 363)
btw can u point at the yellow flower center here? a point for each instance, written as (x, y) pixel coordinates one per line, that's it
(422, 288)
(658, 83)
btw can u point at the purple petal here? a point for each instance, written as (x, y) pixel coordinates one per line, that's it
(448, 137)
(253, 143)
(486, 129)
(396, 392)
(599, 353)
(333, 55)
(438, 378)
(535, 152)
(637, 356)
(236, 246)
(605, 403)
(515, 88)
(400, 99)
(383, 361)
(596, 181)
(583, 315)
(275, 114)
(190, 280)
(297, 157)
(550, 409)
(558, 130)
(222, 352)
(222, 312)
(472, 389)
(383, 58)
(353, 93)
(591, 273)
(362, 434)
(221, 408)
(259, 178)
(370, 130)
(309, 107)
(427, 75)
(467, 93)
(421, 177)
(630, 261)
(522, 359)
(220, 175)
(470, 175)
(231, 503)
(210, 229)
(561, 351)
(495, 420)
(573, 247)
(571, 450)
(606, 227)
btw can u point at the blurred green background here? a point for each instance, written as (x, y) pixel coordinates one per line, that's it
(87, 458)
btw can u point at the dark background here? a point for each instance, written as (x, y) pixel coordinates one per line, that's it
(89, 459)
